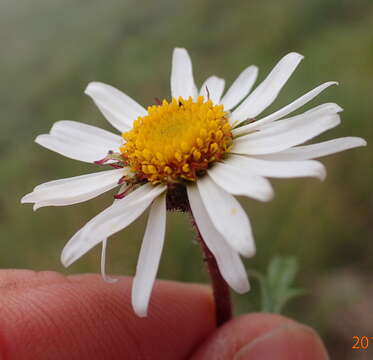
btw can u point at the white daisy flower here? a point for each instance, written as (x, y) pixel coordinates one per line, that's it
(199, 149)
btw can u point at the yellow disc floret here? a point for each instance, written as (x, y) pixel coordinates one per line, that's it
(177, 140)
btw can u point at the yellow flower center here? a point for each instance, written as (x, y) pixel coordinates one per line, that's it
(177, 140)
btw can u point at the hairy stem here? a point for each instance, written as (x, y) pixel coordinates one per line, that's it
(222, 298)
(177, 199)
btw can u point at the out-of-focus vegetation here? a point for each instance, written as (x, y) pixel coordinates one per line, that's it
(51, 50)
(277, 284)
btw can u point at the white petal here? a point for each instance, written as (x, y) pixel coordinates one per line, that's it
(317, 111)
(79, 141)
(212, 89)
(239, 181)
(229, 262)
(316, 150)
(228, 216)
(182, 81)
(118, 108)
(284, 134)
(267, 91)
(285, 110)
(113, 219)
(106, 278)
(240, 88)
(73, 190)
(279, 169)
(150, 254)
(71, 149)
(84, 133)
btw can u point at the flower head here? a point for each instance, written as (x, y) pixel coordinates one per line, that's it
(177, 141)
(200, 147)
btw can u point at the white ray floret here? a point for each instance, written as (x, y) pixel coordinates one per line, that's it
(230, 220)
(150, 255)
(182, 80)
(105, 277)
(240, 181)
(286, 110)
(212, 89)
(284, 135)
(79, 141)
(314, 151)
(240, 88)
(267, 91)
(118, 108)
(228, 260)
(278, 169)
(115, 218)
(73, 190)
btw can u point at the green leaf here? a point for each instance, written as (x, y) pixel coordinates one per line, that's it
(276, 286)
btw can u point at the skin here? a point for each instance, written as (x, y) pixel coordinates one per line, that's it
(46, 315)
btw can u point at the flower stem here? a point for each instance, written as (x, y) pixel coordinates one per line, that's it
(177, 199)
(222, 298)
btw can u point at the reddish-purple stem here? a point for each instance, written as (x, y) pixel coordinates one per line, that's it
(223, 304)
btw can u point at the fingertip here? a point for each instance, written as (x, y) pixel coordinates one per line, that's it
(48, 312)
(262, 336)
(290, 341)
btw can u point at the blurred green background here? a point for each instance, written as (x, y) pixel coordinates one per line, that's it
(51, 50)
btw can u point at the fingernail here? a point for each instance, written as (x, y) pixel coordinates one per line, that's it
(290, 341)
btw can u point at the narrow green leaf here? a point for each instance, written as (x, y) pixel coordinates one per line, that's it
(276, 286)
